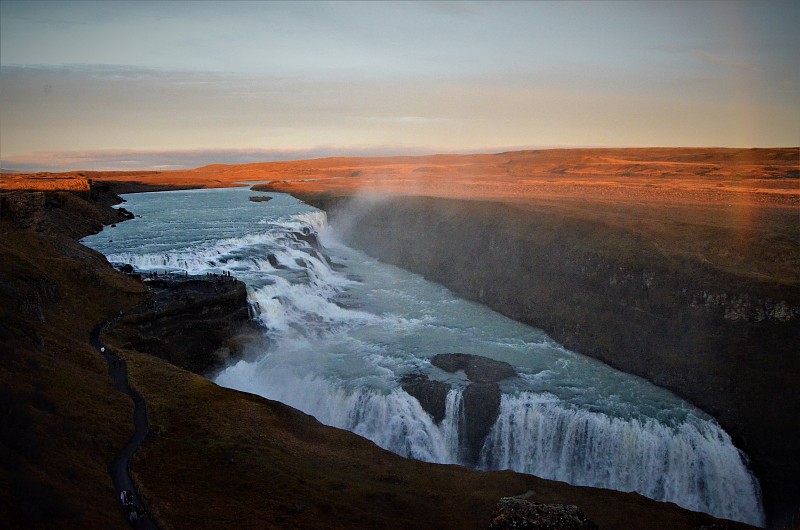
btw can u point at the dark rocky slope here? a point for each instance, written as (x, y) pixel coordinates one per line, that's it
(61, 422)
(724, 341)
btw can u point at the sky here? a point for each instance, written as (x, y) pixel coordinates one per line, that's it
(130, 85)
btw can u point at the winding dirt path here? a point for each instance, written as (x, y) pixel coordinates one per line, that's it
(120, 468)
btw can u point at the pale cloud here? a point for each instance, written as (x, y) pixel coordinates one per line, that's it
(94, 108)
(727, 62)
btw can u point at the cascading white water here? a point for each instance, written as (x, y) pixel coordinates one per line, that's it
(693, 464)
(392, 419)
(342, 337)
(452, 425)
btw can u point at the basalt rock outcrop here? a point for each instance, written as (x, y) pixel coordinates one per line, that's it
(196, 323)
(480, 399)
(309, 237)
(61, 213)
(481, 407)
(431, 394)
(477, 369)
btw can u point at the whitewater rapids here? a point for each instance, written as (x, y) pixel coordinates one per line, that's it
(345, 328)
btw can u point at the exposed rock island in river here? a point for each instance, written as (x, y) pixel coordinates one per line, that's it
(481, 397)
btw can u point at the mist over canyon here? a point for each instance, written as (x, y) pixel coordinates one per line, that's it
(344, 330)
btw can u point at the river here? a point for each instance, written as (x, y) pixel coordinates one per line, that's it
(344, 329)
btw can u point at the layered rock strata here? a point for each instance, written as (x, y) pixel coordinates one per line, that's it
(197, 322)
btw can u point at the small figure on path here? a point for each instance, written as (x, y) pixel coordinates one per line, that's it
(126, 499)
(137, 516)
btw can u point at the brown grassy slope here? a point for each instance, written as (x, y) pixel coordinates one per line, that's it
(738, 210)
(516, 175)
(61, 423)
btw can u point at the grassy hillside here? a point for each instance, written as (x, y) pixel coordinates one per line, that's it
(61, 422)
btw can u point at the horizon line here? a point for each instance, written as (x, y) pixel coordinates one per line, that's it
(188, 159)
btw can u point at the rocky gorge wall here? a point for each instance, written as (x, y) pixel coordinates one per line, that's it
(722, 341)
(196, 323)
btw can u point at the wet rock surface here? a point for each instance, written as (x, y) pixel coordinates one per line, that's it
(309, 237)
(481, 407)
(430, 394)
(481, 397)
(478, 369)
(513, 513)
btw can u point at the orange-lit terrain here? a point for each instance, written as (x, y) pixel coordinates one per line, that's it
(739, 194)
(660, 175)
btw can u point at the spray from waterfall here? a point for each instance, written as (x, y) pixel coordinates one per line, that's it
(345, 329)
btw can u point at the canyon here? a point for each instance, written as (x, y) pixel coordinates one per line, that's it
(675, 265)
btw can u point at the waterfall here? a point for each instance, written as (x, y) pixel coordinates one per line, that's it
(393, 420)
(452, 426)
(693, 464)
(317, 221)
(342, 337)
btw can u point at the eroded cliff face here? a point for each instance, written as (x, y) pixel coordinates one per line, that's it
(196, 323)
(724, 341)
